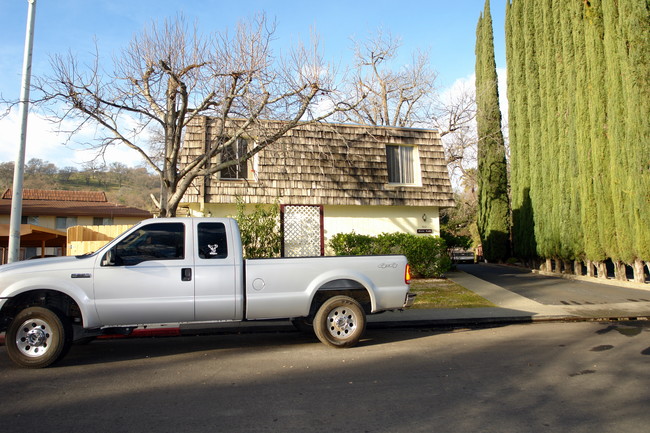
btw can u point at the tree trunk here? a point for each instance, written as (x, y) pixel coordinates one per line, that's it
(620, 271)
(639, 271)
(548, 265)
(602, 270)
(577, 267)
(590, 268)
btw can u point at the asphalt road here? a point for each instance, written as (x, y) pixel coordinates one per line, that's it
(550, 377)
(553, 290)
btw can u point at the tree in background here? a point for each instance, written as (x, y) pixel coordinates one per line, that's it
(493, 204)
(458, 224)
(404, 95)
(170, 74)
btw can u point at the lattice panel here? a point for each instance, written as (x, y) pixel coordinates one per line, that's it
(302, 231)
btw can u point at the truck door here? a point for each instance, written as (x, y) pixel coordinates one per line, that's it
(216, 291)
(147, 277)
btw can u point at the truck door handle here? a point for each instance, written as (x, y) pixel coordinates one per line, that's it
(186, 274)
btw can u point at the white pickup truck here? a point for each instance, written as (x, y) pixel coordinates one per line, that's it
(178, 270)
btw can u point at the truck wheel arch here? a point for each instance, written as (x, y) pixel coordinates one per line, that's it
(51, 299)
(342, 287)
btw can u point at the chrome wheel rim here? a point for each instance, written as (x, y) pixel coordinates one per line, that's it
(341, 322)
(33, 338)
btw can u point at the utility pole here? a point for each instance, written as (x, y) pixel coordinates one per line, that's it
(19, 168)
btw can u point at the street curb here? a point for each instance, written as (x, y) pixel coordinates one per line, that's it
(395, 324)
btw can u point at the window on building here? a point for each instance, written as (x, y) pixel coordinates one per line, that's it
(402, 164)
(62, 223)
(102, 221)
(233, 152)
(33, 220)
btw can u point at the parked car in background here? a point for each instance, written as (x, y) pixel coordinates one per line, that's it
(460, 255)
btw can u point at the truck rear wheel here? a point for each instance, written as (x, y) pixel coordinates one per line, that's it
(38, 337)
(340, 322)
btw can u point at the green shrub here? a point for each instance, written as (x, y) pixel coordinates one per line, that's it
(351, 244)
(427, 255)
(260, 230)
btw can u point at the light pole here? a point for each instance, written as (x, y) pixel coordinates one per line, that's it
(17, 188)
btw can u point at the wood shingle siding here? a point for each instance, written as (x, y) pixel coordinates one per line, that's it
(326, 164)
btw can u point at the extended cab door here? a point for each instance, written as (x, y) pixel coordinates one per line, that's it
(147, 277)
(218, 268)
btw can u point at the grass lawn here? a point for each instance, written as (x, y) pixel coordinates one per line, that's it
(444, 293)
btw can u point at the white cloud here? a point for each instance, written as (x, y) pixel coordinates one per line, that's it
(44, 141)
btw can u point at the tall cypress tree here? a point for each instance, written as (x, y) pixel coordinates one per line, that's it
(523, 218)
(634, 54)
(571, 234)
(493, 212)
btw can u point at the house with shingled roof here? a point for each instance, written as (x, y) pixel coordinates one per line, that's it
(328, 179)
(47, 214)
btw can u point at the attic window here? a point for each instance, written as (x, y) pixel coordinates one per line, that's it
(402, 164)
(233, 152)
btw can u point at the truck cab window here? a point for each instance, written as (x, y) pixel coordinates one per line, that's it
(159, 241)
(212, 241)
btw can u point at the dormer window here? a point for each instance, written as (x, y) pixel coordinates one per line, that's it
(233, 152)
(403, 165)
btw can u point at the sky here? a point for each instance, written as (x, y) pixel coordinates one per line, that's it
(446, 29)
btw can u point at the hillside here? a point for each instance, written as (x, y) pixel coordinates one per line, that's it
(122, 184)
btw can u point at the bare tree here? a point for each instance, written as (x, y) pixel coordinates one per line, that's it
(392, 97)
(405, 95)
(170, 74)
(460, 152)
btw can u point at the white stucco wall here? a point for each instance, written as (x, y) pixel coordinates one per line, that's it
(374, 220)
(367, 220)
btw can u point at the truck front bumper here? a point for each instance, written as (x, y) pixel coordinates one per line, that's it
(410, 299)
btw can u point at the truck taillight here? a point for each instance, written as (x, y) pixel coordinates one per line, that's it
(407, 274)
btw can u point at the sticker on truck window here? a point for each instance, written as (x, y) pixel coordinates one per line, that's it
(212, 241)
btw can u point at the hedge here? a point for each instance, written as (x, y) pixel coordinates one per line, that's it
(427, 255)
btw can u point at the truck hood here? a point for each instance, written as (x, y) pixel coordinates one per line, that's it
(47, 264)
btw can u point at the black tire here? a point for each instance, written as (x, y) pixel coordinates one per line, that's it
(340, 322)
(38, 337)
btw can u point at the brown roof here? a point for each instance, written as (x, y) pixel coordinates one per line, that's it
(327, 164)
(69, 203)
(59, 195)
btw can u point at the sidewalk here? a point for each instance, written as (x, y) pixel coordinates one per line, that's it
(511, 308)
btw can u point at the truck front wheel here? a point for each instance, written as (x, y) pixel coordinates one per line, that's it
(340, 322)
(38, 337)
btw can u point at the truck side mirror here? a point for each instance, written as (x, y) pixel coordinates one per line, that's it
(109, 258)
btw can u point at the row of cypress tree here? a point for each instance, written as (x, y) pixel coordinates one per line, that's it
(579, 129)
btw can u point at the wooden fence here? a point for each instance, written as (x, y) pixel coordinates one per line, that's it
(86, 239)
